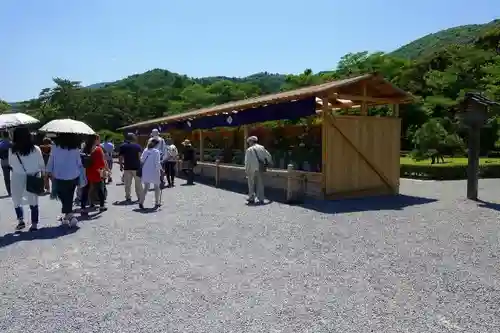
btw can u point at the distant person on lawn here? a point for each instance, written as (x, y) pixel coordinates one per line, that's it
(130, 162)
(108, 148)
(5, 145)
(257, 158)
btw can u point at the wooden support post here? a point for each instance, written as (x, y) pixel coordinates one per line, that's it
(473, 163)
(364, 106)
(245, 137)
(324, 143)
(289, 183)
(217, 172)
(395, 110)
(202, 148)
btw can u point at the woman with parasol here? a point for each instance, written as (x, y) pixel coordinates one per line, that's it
(28, 167)
(65, 162)
(8, 122)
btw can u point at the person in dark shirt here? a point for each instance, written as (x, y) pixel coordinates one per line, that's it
(130, 161)
(188, 161)
(5, 145)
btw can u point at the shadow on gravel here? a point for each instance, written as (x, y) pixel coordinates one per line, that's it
(125, 203)
(397, 202)
(489, 205)
(42, 233)
(146, 210)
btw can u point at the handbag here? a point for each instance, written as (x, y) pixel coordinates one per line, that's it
(262, 165)
(34, 182)
(138, 173)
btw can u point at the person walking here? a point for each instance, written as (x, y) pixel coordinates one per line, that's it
(46, 147)
(109, 149)
(257, 159)
(130, 162)
(188, 161)
(151, 172)
(5, 145)
(171, 156)
(161, 146)
(65, 167)
(96, 175)
(26, 159)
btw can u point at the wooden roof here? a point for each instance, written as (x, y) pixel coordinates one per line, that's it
(379, 90)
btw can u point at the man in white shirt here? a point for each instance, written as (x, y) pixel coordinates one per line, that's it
(257, 158)
(161, 146)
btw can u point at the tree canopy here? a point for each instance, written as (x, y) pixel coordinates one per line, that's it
(439, 78)
(4, 106)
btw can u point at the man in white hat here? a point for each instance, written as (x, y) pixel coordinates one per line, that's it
(257, 159)
(161, 146)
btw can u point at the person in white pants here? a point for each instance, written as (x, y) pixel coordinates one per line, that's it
(25, 158)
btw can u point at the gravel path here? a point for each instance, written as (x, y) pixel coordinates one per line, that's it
(206, 262)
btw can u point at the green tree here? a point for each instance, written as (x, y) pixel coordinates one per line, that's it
(433, 141)
(4, 106)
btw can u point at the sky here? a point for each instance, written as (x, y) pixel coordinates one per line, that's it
(105, 40)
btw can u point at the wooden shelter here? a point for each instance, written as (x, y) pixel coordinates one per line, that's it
(360, 154)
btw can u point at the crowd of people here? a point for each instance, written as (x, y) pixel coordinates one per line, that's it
(70, 164)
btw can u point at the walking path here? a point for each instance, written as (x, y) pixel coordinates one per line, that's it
(206, 262)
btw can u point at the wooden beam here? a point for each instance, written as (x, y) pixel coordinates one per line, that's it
(324, 144)
(364, 107)
(395, 110)
(245, 137)
(376, 100)
(202, 148)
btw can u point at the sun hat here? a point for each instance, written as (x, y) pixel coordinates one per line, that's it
(252, 138)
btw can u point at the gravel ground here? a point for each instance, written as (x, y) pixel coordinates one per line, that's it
(427, 261)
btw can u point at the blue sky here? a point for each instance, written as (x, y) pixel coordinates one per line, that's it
(105, 40)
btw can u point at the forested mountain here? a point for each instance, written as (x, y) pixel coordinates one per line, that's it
(439, 77)
(462, 35)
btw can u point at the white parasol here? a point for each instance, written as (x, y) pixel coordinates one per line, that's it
(69, 126)
(10, 120)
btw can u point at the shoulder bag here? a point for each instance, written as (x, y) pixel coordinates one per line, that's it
(34, 182)
(138, 173)
(262, 164)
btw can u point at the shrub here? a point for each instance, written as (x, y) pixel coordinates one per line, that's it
(447, 172)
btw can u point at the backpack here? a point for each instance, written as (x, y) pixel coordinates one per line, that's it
(4, 150)
(4, 153)
(86, 160)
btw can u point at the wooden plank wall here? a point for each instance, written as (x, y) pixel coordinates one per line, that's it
(378, 139)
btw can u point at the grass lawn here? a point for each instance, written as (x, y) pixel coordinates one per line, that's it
(448, 161)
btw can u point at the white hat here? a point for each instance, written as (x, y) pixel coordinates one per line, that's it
(252, 138)
(155, 132)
